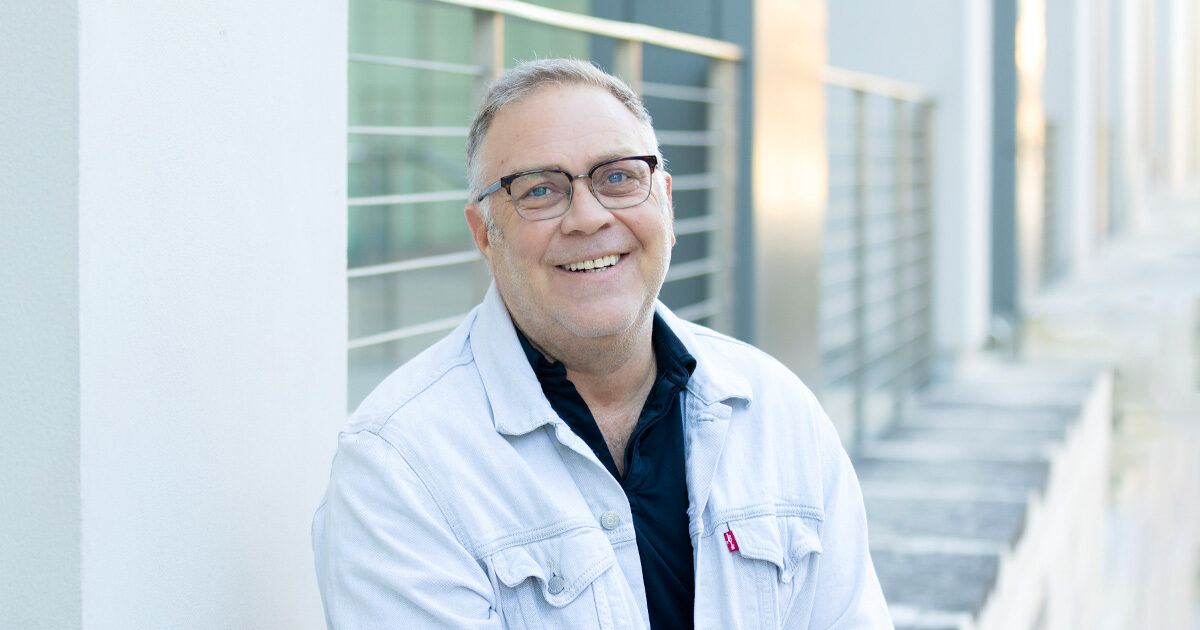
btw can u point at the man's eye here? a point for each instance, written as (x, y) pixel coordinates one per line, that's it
(617, 177)
(538, 191)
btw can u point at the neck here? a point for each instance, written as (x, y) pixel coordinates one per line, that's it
(607, 371)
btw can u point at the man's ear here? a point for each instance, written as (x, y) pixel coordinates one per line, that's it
(479, 230)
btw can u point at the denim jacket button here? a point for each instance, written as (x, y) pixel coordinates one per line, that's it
(609, 520)
(555, 584)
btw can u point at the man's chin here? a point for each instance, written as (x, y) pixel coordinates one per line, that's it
(599, 325)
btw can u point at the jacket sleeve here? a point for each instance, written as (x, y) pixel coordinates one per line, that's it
(386, 555)
(848, 592)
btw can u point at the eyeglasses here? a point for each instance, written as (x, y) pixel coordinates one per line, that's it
(545, 193)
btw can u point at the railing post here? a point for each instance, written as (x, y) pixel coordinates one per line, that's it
(1050, 245)
(861, 192)
(902, 203)
(925, 230)
(627, 62)
(722, 197)
(489, 49)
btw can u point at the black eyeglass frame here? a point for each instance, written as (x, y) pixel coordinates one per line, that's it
(506, 183)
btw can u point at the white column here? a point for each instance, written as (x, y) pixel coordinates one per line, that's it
(212, 257)
(1072, 103)
(789, 179)
(1182, 105)
(39, 317)
(173, 300)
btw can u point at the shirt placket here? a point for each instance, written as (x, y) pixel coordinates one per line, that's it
(608, 504)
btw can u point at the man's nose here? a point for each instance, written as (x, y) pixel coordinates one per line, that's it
(586, 215)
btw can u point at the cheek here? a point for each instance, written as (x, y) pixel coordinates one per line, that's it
(515, 260)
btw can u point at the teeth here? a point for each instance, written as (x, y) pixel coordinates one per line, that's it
(593, 265)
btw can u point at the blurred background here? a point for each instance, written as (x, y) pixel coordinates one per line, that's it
(971, 226)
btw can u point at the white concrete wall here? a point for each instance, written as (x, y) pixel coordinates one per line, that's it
(1072, 104)
(1053, 578)
(174, 309)
(945, 47)
(212, 227)
(1182, 104)
(39, 317)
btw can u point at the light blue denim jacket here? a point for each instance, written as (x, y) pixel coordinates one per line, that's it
(458, 499)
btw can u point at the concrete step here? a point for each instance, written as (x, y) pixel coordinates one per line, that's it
(979, 481)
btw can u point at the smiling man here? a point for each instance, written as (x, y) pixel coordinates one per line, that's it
(574, 455)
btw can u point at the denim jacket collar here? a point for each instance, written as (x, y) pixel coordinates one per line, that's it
(518, 405)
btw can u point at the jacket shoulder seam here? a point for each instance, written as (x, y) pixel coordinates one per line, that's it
(438, 500)
(460, 361)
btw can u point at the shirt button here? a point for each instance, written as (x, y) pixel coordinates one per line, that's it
(609, 520)
(555, 584)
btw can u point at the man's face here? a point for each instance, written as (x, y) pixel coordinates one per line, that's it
(573, 128)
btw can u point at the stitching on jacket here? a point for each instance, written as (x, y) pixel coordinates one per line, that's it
(756, 511)
(462, 360)
(530, 536)
(438, 500)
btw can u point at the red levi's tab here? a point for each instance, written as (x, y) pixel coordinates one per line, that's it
(730, 541)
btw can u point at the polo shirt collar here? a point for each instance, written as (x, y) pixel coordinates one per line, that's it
(513, 390)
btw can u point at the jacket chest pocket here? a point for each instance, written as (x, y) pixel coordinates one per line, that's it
(761, 569)
(570, 580)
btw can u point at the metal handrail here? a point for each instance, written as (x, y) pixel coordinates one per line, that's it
(881, 86)
(425, 197)
(680, 92)
(419, 64)
(413, 264)
(392, 130)
(407, 332)
(642, 33)
(886, 238)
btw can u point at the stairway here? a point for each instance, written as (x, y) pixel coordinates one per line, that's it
(986, 501)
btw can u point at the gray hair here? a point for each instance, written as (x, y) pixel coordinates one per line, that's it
(525, 79)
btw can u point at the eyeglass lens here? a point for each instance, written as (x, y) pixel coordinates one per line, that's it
(547, 194)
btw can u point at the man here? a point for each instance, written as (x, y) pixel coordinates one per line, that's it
(574, 455)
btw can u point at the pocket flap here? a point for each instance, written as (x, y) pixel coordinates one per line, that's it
(576, 558)
(781, 540)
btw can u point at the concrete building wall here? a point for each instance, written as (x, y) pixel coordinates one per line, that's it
(945, 47)
(174, 247)
(213, 309)
(39, 317)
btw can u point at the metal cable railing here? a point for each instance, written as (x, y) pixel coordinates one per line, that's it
(413, 271)
(876, 272)
(1051, 253)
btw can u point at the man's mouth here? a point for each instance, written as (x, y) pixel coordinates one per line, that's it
(590, 266)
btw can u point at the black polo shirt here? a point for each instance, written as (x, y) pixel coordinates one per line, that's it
(655, 479)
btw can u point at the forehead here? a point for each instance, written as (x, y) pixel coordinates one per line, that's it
(569, 127)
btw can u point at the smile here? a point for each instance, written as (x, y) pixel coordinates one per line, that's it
(594, 265)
